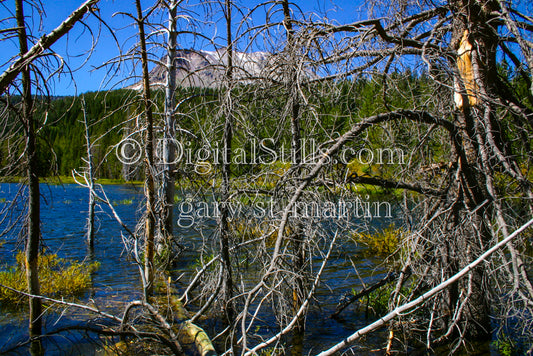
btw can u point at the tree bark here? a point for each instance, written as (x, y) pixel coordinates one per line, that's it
(90, 179)
(474, 38)
(226, 173)
(299, 261)
(34, 206)
(149, 160)
(169, 148)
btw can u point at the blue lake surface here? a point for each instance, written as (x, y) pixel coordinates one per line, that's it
(64, 213)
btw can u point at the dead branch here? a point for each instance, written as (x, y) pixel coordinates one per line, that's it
(43, 44)
(424, 297)
(390, 277)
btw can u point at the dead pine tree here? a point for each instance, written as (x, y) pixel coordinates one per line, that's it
(150, 219)
(33, 221)
(169, 148)
(33, 79)
(294, 111)
(227, 112)
(467, 204)
(89, 179)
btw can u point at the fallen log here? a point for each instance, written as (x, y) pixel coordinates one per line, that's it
(179, 327)
(188, 332)
(197, 335)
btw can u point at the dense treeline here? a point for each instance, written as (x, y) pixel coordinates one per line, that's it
(112, 115)
(65, 133)
(61, 139)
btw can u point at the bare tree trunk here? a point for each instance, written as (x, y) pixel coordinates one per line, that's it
(474, 41)
(226, 173)
(34, 206)
(298, 293)
(90, 179)
(169, 149)
(149, 152)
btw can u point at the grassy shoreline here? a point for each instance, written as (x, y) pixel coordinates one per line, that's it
(57, 180)
(372, 191)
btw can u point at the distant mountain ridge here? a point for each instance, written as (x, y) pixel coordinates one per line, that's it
(205, 69)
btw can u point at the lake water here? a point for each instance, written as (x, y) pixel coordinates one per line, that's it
(64, 209)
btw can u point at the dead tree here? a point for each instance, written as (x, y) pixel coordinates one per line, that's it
(169, 128)
(480, 151)
(294, 107)
(44, 44)
(150, 218)
(32, 77)
(34, 216)
(89, 179)
(227, 114)
(471, 112)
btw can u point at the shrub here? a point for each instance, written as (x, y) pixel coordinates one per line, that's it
(378, 300)
(505, 345)
(58, 277)
(383, 242)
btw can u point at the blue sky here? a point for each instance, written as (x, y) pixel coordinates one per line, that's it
(74, 47)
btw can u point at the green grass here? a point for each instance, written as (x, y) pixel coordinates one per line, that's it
(55, 180)
(383, 242)
(59, 277)
(11, 179)
(505, 345)
(123, 202)
(107, 181)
